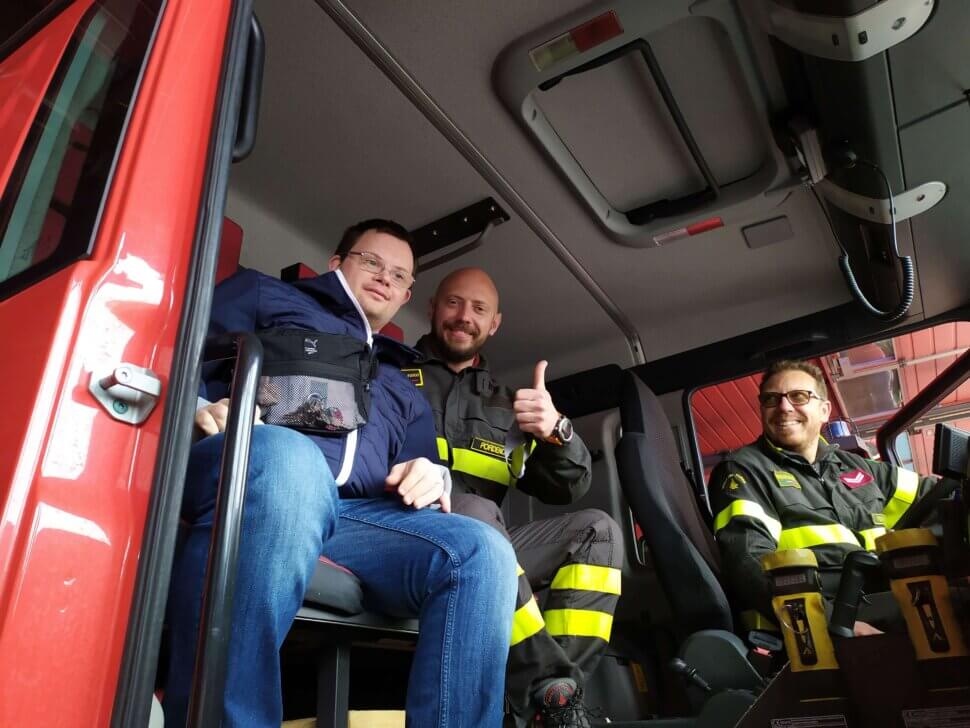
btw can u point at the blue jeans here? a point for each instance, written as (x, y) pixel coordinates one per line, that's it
(455, 574)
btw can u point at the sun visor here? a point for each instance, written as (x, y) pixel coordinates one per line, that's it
(654, 112)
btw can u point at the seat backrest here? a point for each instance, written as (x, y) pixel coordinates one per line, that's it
(681, 545)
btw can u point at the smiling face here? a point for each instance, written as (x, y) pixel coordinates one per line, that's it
(378, 297)
(464, 313)
(795, 428)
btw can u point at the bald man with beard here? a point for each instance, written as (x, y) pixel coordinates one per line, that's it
(493, 438)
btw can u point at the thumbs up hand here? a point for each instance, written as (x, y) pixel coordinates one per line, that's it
(534, 410)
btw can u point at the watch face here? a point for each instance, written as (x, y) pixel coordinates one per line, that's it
(565, 429)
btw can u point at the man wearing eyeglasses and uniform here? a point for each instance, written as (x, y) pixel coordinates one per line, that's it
(790, 489)
(494, 438)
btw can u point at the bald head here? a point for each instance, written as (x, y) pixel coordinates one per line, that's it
(472, 281)
(464, 313)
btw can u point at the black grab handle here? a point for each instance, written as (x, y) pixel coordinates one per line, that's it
(209, 675)
(252, 87)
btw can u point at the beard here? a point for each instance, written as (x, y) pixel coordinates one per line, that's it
(456, 354)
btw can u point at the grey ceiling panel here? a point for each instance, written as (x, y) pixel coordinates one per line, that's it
(696, 291)
(932, 69)
(939, 148)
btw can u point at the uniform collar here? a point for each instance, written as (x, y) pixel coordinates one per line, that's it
(825, 451)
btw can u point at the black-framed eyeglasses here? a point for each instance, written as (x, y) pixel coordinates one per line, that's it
(797, 397)
(372, 263)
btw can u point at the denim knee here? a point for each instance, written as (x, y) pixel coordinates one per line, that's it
(290, 484)
(485, 550)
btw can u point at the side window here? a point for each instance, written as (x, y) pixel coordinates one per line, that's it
(50, 207)
(867, 385)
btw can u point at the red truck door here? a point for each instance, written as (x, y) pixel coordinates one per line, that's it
(112, 118)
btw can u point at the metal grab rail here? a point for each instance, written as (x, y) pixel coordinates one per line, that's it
(209, 674)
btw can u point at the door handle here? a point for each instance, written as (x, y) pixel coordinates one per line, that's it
(128, 393)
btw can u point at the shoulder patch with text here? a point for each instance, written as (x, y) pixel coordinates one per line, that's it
(487, 447)
(855, 478)
(415, 375)
(786, 480)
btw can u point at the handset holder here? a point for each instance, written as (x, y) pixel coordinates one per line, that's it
(856, 569)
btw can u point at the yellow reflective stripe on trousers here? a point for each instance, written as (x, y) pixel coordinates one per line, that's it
(481, 466)
(526, 621)
(579, 623)
(587, 577)
(805, 537)
(442, 449)
(870, 535)
(751, 510)
(907, 485)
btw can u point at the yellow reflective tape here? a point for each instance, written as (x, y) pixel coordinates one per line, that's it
(526, 621)
(751, 510)
(805, 537)
(870, 535)
(481, 466)
(442, 449)
(587, 577)
(907, 485)
(519, 571)
(579, 623)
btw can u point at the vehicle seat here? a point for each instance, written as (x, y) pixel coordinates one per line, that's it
(663, 502)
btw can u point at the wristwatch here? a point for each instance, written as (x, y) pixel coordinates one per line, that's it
(562, 431)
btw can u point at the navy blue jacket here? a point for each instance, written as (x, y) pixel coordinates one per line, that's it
(400, 426)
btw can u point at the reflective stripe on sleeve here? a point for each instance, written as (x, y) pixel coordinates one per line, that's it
(870, 535)
(805, 537)
(750, 509)
(587, 577)
(481, 466)
(579, 623)
(526, 621)
(442, 449)
(907, 485)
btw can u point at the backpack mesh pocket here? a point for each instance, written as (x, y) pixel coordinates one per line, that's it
(306, 402)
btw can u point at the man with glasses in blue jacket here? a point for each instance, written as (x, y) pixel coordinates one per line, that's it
(344, 467)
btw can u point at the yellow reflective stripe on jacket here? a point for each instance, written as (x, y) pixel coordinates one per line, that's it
(442, 449)
(907, 485)
(805, 537)
(587, 577)
(870, 535)
(579, 623)
(519, 571)
(481, 466)
(526, 621)
(751, 510)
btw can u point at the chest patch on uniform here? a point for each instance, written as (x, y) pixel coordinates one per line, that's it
(487, 447)
(415, 375)
(786, 479)
(733, 482)
(855, 479)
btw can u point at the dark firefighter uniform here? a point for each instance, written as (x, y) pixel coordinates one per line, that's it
(576, 556)
(768, 499)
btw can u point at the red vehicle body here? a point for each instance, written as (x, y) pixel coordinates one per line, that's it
(75, 483)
